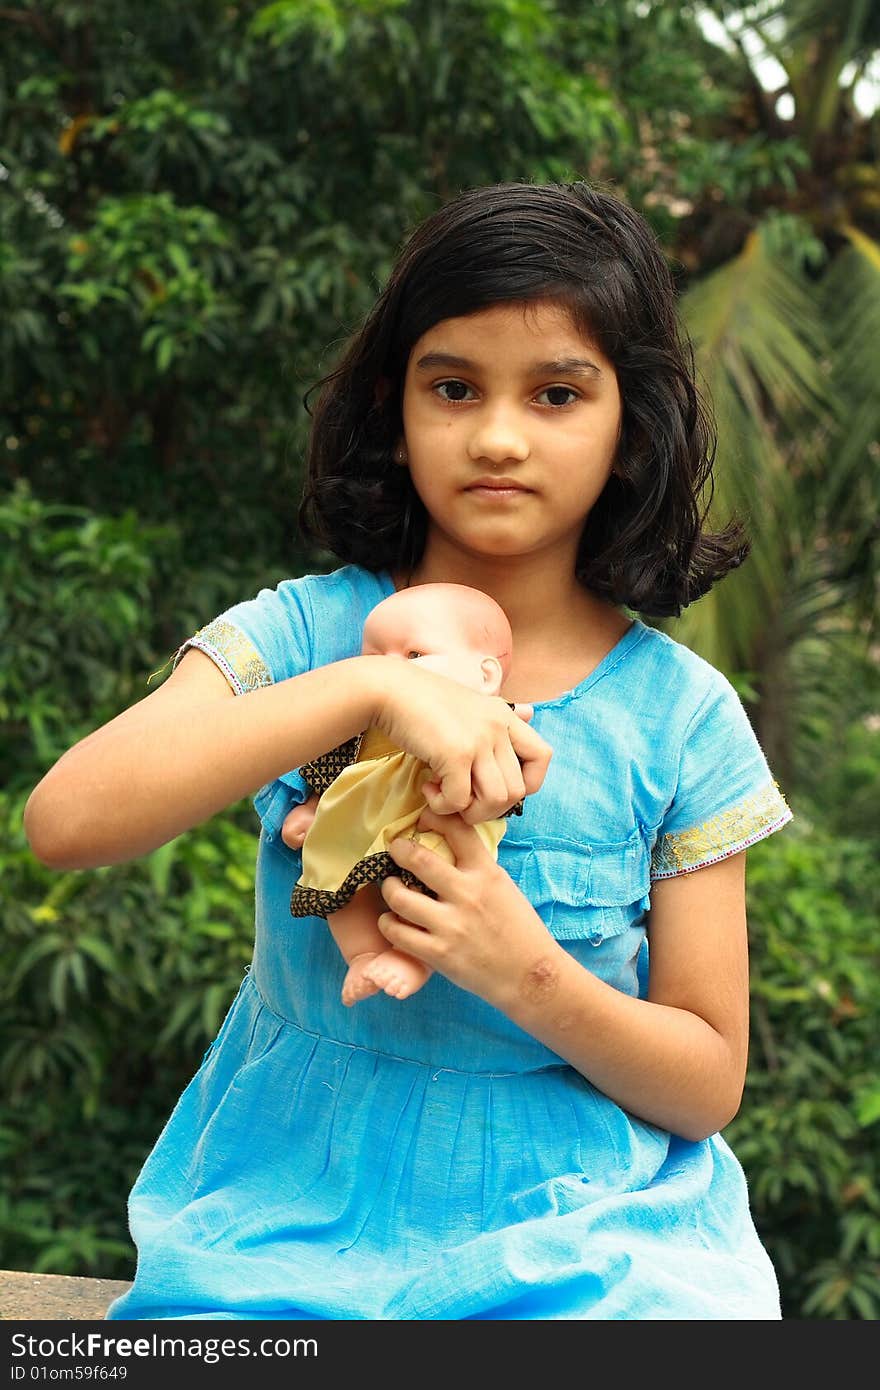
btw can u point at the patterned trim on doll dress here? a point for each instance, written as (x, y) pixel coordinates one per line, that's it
(324, 770)
(317, 902)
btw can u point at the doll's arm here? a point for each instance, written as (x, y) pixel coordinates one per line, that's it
(297, 822)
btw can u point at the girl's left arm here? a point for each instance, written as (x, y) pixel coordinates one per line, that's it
(676, 1059)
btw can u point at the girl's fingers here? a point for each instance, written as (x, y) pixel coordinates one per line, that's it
(430, 791)
(408, 903)
(515, 767)
(513, 774)
(414, 940)
(533, 752)
(468, 849)
(453, 791)
(433, 870)
(490, 789)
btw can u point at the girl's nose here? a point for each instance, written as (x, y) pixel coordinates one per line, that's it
(498, 437)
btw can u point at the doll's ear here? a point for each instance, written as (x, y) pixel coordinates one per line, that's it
(492, 674)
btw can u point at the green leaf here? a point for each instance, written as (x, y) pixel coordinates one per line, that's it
(165, 353)
(868, 1107)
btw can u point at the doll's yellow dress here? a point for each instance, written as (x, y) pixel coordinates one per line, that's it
(370, 792)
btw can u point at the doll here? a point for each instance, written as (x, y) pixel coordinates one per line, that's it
(367, 792)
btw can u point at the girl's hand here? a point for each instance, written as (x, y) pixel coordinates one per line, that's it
(480, 931)
(483, 754)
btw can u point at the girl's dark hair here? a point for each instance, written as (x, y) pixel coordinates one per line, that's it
(644, 544)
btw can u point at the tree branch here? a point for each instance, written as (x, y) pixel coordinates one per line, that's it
(31, 20)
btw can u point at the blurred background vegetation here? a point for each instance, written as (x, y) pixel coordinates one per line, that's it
(197, 202)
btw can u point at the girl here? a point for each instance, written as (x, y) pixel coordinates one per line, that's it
(535, 1133)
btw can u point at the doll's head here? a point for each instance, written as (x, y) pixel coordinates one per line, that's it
(449, 628)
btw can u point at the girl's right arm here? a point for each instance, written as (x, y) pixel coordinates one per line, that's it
(192, 748)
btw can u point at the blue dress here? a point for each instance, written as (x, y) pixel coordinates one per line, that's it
(427, 1159)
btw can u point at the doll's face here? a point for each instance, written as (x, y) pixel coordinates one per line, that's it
(443, 631)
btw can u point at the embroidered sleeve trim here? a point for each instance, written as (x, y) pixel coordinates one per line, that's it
(233, 651)
(727, 833)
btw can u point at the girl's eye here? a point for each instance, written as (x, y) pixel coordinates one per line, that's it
(452, 390)
(413, 656)
(558, 395)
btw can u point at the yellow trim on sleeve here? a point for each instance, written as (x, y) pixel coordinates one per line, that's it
(233, 651)
(727, 833)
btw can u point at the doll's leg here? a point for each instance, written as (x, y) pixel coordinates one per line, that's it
(372, 963)
(296, 823)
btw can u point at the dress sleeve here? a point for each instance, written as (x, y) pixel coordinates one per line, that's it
(261, 641)
(300, 625)
(726, 798)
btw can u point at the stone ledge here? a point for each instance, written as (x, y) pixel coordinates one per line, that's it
(55, 1297)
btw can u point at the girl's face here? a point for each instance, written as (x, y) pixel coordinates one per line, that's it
(511, 419)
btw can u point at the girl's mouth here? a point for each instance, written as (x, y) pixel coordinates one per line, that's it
(499, 488)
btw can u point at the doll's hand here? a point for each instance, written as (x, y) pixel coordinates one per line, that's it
(483, 755)
(480, 931)
(297, 822)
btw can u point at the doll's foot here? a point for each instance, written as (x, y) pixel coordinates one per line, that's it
(357, 985)
(397, 974)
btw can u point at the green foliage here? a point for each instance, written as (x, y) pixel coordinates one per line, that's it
(837, 750)
(163, 267)
(93, 576)
(199, 200)
(112, 983)
(808, 1128)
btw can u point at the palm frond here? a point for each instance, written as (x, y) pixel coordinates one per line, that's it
(851, 306)
(764, 359)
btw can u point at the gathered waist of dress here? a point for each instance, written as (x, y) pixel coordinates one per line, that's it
(441, 1027)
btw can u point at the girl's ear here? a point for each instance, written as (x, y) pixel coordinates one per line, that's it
(492, 674)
